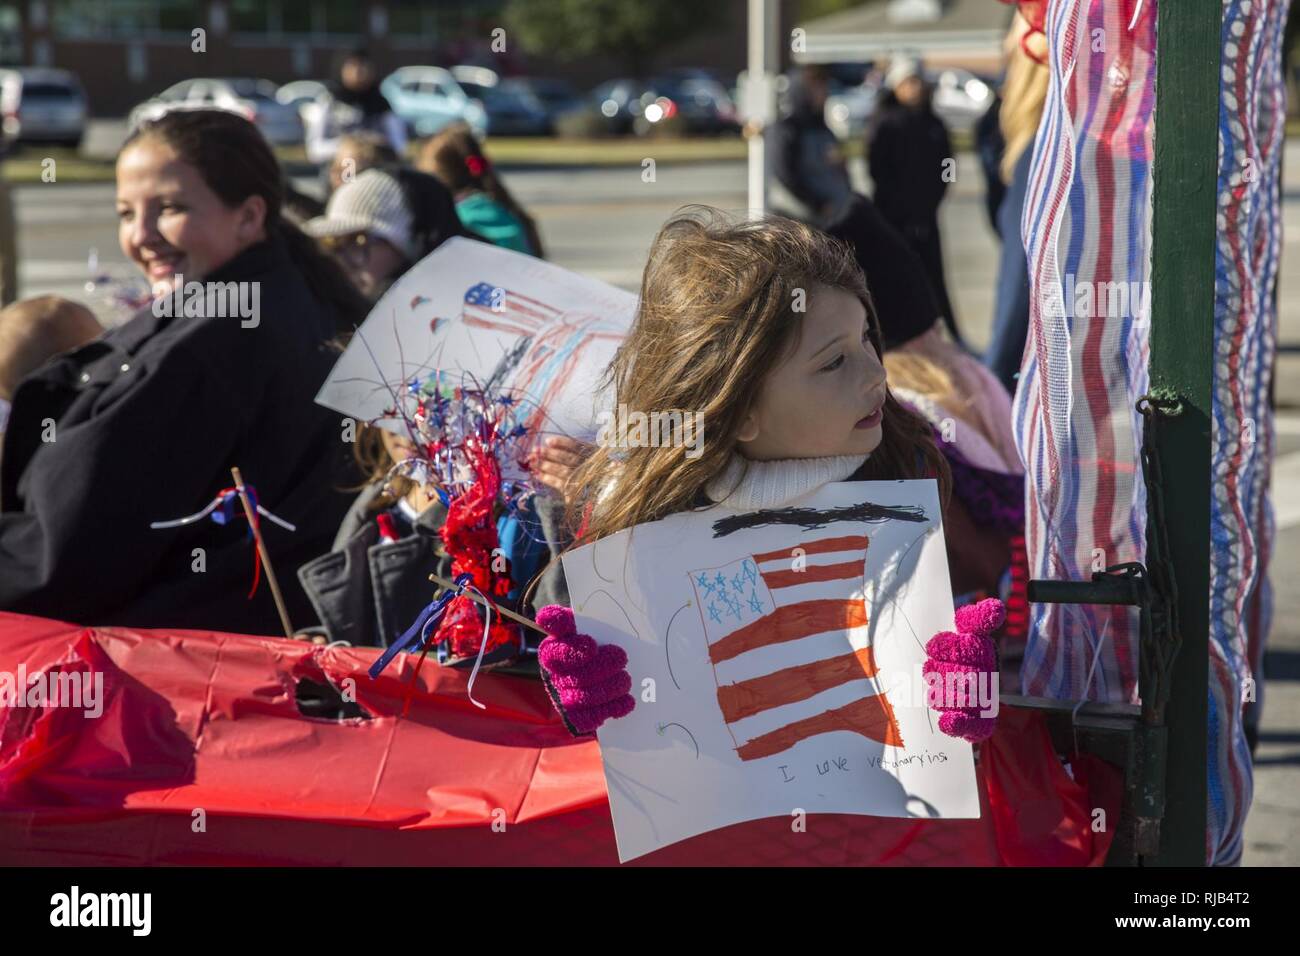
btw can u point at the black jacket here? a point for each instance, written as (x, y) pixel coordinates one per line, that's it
(146, 423)
(895, 277)
(906, 150)
(806, 160)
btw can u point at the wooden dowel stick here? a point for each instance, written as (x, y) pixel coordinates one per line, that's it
(452, 585)
(251, 515)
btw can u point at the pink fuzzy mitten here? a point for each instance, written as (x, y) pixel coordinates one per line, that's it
(588, 682)
(963, 663)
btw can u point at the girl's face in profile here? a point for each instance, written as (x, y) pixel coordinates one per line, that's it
(828, 396)
(171, 223)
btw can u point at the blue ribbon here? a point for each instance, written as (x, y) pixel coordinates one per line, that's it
(415, 637)
(231, 508)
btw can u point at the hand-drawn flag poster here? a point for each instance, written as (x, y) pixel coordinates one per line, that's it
(776, 660)
(486, 316)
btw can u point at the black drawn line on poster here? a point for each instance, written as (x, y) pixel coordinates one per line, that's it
(668, 636)
(663, 727)
(811, 519)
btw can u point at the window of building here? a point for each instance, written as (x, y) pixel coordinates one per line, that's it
(11, 35)
(84, 19)
(296, 18)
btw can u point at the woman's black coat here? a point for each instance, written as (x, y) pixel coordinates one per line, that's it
(143, 425)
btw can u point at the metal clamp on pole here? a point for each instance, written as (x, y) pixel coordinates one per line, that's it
(1128, 584)
(1155, 594)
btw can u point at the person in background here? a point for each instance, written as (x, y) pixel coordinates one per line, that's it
(381, 223)
(357, 104)
(145, 422)
(989, 149)
(374, 580)
(34, 331)
(909, 156)
(1023, 95)
(482, 200)
(807, 159)
(358, 152)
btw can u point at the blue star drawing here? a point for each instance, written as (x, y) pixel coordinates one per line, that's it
(749, 571)
(705, 584)
(738, 583)
(733, 606)
(721, 582)
(713, 613)
(755, 604)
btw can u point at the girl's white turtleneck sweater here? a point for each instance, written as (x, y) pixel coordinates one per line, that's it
(747, 485)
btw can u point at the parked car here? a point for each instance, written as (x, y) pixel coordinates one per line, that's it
(619, 103)
(960, 97)
(42, 105)
(699, 103)
(849, 107)
(514, 112)
(555, 97)
(428, 98)
(702, 101)
(509, 111)
(255, 99)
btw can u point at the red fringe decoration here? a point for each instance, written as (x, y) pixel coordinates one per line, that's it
(1017, 624)
(470, 536)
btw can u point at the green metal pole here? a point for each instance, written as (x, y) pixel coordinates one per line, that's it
(1182, 349)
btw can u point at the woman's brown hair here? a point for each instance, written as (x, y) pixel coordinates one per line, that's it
(235, 162)
(716, 315)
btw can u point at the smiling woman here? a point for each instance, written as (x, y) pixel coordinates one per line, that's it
(145, 422)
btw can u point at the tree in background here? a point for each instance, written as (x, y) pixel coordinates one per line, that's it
(631, 30)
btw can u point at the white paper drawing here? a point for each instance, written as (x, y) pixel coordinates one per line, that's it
(783, 650)
(486, 315)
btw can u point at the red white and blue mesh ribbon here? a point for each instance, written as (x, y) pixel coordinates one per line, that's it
(1087, 219)
(1088, 215)
(1251, 132)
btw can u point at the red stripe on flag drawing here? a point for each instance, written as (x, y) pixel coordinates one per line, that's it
(790, 623)
(745, 607)
(849, 542)
(849, 570)
(793, 684)
(871, 717)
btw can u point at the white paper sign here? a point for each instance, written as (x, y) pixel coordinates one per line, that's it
(782, 651)
(482, 313)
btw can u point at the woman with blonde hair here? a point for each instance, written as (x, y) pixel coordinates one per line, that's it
(1023, 95)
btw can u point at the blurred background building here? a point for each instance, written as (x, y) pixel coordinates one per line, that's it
(127, 50)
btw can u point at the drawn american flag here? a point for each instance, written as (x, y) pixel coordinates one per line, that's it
(763, 611)
(494, 307)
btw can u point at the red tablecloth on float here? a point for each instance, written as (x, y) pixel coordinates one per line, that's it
(196, 720)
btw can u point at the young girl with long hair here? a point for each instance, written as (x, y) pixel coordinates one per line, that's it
(766, 328)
